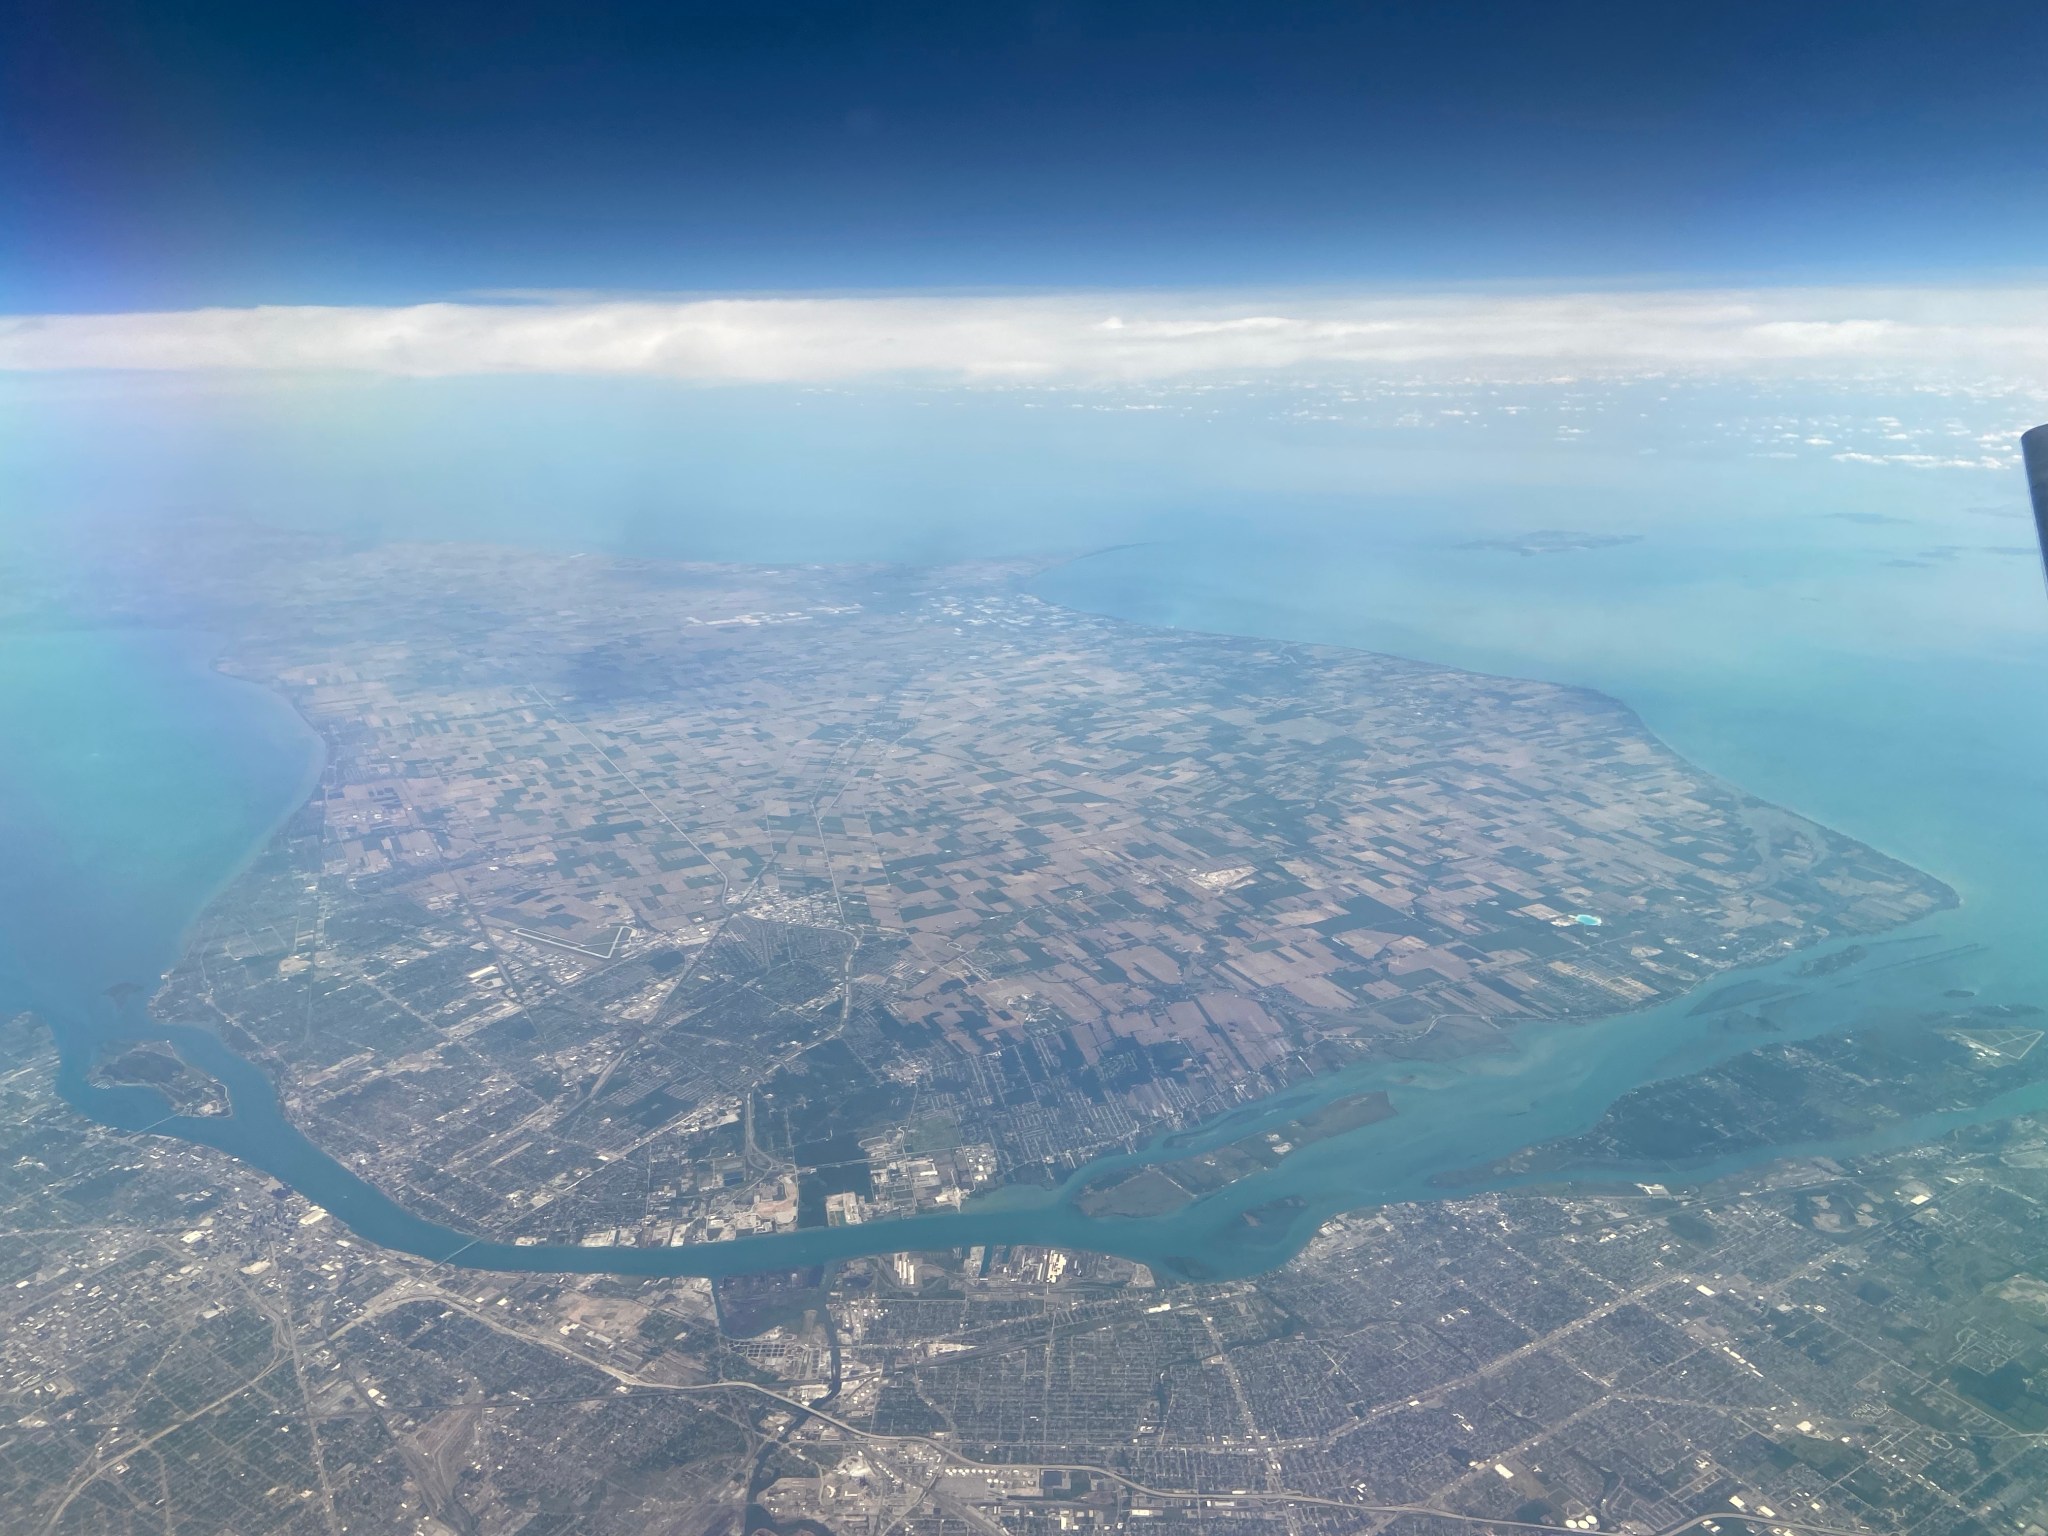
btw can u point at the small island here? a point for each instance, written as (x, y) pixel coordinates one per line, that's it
(1553, 541)
(186, 1090)
(1159, 1189)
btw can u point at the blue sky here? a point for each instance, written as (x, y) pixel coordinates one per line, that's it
(166, 155)
(226, 226)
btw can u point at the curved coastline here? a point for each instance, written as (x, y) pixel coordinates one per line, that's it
(1565, 1075)
(1583, 689)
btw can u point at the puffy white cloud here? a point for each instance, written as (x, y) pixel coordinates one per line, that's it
(1082, 337)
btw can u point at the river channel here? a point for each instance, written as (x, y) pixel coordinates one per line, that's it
(137, 781)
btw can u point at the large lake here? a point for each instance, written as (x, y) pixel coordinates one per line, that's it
(1883, 671)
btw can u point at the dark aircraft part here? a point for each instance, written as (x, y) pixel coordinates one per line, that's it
(2035, 446)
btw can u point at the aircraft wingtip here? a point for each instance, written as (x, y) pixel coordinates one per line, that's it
(2034, 448)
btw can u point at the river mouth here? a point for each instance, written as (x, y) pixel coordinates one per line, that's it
(181, 725)
(1557, 1081)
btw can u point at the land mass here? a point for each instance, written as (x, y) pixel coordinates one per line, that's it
(648, 904)
(1553, 541)
(184, 1091)
(1156, 1188)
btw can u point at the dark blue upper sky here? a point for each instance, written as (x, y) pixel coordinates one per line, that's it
(177, 152)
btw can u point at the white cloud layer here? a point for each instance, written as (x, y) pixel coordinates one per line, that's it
(1083, 338)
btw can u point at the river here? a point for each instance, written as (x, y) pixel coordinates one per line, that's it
(1889, 680)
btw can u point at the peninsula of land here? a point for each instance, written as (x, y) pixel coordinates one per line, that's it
(656, 904)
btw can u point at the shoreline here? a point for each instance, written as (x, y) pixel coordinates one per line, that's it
(1240, 1118)
(1586, 690)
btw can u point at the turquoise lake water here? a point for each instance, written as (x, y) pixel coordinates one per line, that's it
(1885, 671)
